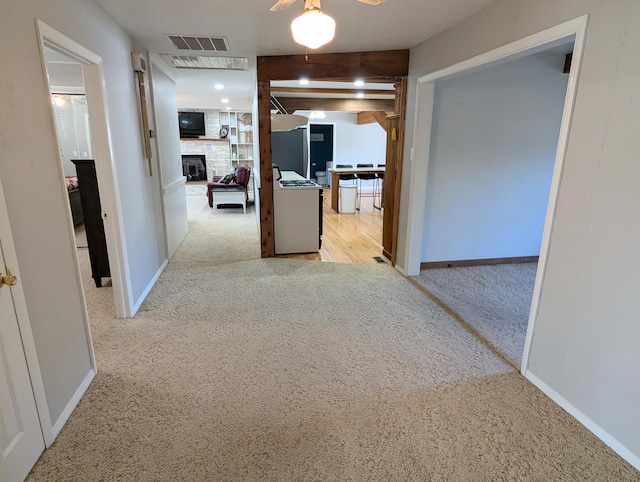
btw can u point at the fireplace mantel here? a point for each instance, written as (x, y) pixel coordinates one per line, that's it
(208, 139)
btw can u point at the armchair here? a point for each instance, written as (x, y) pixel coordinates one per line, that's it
(233, 192)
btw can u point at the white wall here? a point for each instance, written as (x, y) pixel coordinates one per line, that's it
(140, 193)
(364, 144)
(29, 152)
(167, 135)
(493, 146)
(585, 344)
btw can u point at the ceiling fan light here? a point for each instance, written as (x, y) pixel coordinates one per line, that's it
(313, 28)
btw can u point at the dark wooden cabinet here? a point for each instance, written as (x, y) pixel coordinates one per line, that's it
(92, 211)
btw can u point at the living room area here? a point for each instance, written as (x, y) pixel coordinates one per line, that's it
(216, 142)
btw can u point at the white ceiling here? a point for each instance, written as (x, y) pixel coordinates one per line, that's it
(252, 30)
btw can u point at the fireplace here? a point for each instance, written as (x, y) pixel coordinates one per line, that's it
(194, 167)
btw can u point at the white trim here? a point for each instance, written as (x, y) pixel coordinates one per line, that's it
(65, 44)
(70, 226)
(146, 291)
(174, 186)
(93, 73)
(108, 181)
(425, 98)
(24, 324)
(592, 426)
(418, 179)
(66, 413)
(401, 270)
(556, 180)
(537, 42)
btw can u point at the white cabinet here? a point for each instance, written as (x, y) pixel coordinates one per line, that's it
(240, 128)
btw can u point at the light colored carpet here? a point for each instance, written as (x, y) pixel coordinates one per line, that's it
(239, 368)
(493, 300)
(198, 188)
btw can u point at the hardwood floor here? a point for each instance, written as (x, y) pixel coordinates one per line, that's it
(348, 238)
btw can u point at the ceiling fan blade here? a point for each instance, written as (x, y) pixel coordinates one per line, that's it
(372, 2)
(281, 5)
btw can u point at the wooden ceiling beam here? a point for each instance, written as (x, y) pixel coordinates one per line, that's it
(314, 91)
(371, 117)
(291, 104)
(375, 66)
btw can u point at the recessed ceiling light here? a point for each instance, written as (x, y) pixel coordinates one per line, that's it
(359, 83)
(225, 100)
(228, 108)
(304, 81)
(360, 95)
(219, 86)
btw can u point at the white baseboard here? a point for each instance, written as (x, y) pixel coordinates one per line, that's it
(66, 413)
(592, 426)
(146, 291)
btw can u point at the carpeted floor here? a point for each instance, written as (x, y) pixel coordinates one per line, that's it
(492, 301)
(241, 368)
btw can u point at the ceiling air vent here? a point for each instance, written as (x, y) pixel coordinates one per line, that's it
(202, 62)
(197, 43)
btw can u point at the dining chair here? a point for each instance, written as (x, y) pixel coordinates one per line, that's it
(364, 177)
(377, 188)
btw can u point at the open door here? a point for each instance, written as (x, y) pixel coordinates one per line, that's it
(21, 439)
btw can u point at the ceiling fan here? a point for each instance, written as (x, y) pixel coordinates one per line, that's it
(282, 4)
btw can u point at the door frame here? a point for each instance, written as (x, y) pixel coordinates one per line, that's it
(373, 66)
(540, 41)
(93, 73)
(333, 137)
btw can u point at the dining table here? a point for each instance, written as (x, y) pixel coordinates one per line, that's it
(335, 180)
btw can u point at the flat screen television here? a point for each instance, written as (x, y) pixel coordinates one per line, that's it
(191, 124)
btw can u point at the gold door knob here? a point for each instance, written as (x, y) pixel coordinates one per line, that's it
(9, 279)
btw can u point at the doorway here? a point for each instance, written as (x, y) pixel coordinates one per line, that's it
(83, 74)
(561, 34)
(73, 129)
(321, 148)
(348, 237)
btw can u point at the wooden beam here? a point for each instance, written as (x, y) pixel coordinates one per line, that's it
(314, 91)
(376, 66)
(380, 66)
(292, 104)
(268, 245)
(371, 117)
(401, 111)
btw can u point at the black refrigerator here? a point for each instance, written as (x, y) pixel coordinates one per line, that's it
(290, 150)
